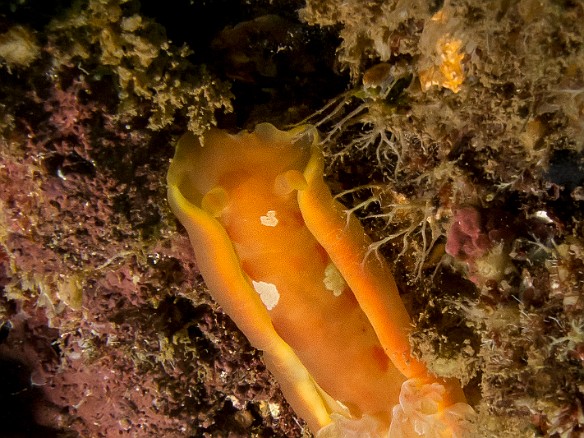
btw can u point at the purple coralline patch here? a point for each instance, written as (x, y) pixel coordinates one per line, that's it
(101, 305)
(466, 239)
(481, 240)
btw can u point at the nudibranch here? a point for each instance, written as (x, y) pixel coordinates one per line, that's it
(287, 264)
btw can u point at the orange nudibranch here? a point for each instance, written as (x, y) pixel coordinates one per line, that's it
(282, 258)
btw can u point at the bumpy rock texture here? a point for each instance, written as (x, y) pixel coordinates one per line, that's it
(472, 185)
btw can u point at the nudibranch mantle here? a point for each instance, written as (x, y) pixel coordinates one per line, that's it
(281, 257)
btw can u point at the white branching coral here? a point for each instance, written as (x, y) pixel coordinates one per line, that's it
(415, 224)
(367, 120)
(369, 109)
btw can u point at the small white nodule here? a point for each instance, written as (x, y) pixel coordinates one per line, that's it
(333, 280)
(268, 293)
(270, 219)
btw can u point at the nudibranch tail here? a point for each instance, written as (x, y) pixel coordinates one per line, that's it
(278, 254)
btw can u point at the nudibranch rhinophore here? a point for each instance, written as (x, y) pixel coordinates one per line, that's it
(288, 265)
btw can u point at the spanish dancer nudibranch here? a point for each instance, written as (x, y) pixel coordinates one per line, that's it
(282, 258)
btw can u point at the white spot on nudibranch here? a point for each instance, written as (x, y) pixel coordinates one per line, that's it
(268, 293)
(333, 280)
(270, 219)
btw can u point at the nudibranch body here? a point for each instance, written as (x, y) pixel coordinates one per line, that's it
(280, 256)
